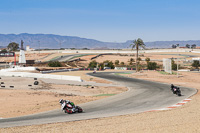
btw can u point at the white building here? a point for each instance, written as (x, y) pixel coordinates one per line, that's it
(29, 49)
(22, 58)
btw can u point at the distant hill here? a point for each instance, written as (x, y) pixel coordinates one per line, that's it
(167, 44)
(51, 41)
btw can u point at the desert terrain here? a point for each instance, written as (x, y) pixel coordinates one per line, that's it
(181, 119)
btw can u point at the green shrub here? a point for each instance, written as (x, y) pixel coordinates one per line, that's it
(139, 59)
(54, 64)
(101, 65)
(147, 60)
(196, 64)
(122, 63)
(109, 64)
(130, 63)
(132, 60)
(174, 65)
(92, 64)
(116, 62)
(152, 65)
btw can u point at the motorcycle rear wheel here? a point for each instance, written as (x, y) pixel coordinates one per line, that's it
(80, 110)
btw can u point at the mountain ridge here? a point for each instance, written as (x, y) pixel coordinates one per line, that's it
(52, 41)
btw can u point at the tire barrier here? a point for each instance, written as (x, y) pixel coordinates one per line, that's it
(36, 83)
(2, 82)
(29, 85)
(11, 86)
(3, 86)
(35, 78)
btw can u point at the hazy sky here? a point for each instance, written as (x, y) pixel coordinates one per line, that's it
(104, 20)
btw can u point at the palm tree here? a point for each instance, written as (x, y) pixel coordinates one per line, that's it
(136, 44)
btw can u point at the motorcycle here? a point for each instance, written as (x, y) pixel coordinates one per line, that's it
(176, 91)
(72, 109)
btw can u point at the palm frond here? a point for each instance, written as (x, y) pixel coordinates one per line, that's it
(132, 46)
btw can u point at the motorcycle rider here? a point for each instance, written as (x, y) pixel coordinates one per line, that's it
(174, 88)
(64, 103)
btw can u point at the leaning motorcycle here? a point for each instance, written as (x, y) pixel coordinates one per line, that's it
(177, 91)
(70, 109)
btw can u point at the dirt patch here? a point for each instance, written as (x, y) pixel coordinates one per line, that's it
(187, 79)
(156, 57)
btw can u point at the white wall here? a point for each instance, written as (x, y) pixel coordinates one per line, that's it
(18, 68)
(38, 75)
(10, 72)
(115, 51)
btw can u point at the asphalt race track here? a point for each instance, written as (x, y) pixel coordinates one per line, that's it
(142, 96)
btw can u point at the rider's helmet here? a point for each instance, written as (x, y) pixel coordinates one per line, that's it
(172, 85)
(61, 101)
(67, 101)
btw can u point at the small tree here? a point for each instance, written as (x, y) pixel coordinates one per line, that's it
(152, 65)
(132, 60)
(147, 60)
(13, 46)
(173, 46)
(174, 65)
(196, 64)
(122, 63)
(101, 65)
(193, 46)
(109, 64)
(130, 63)
(139, 59)
(92, 64)
(187, 46)
(116, 62)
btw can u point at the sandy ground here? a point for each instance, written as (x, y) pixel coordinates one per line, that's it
(34, 56)
(87, 59)
(153, 57)
(24, 99)
(184, 119)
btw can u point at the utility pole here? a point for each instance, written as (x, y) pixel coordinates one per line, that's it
(39, 47)
(177, 63)
(177, 68)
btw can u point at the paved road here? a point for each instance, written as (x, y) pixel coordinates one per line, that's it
(142, 96)
(67, 57)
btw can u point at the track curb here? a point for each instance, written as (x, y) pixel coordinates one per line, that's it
(173, 106)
